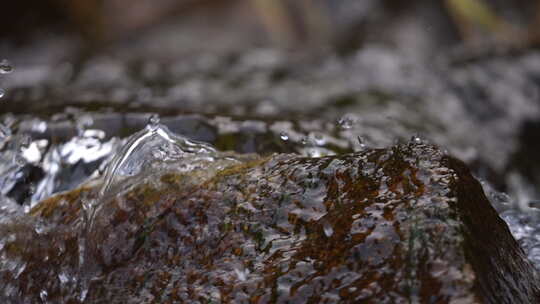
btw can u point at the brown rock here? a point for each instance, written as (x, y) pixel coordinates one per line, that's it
(400, 225)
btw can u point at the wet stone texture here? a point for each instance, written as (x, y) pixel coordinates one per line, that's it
(406, 224)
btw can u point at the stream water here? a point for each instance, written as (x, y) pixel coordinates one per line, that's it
(34, 168)
(129, 115)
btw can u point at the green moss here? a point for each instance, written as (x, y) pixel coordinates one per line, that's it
(171, 178)
(47, 207)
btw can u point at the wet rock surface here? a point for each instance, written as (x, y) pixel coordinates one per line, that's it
(401, 224)
(397, 225)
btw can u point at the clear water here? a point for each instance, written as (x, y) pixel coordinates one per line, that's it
(91, 153)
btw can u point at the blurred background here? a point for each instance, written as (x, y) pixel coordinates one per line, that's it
(341, 25)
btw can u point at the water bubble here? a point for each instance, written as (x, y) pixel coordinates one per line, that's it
(153, 120)
(319, 139)
(43, 295)
(2, 93)
(346, 122)
(284, 136)
(5, 67)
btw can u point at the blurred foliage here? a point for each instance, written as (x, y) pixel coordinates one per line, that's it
(475, 11)
(289, 23)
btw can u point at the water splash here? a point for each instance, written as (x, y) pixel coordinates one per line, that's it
(69, 164)
(154, 143)
(346, 122)
(149, 148)
(361, 143)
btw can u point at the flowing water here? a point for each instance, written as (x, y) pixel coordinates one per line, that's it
(112, 137)
(34, 169)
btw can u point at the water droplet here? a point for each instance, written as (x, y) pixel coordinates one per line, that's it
(319, 139)
(63, 278)
(361, 143)
(346, 122)
(2, 93)
(5, 67)
(328, 230)
(83, 122)
(153, 121)
(284, 136)
(416, 139)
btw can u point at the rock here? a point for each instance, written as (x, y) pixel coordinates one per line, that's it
(406, 224)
